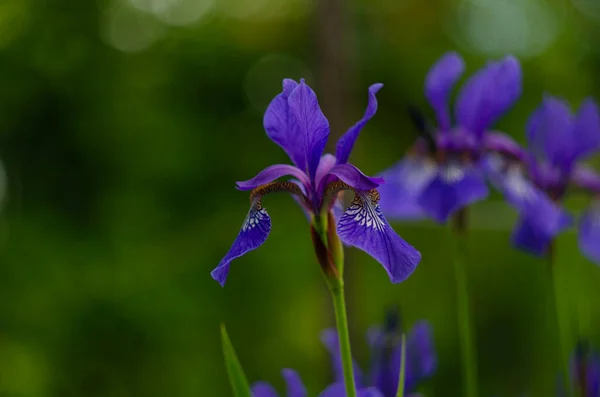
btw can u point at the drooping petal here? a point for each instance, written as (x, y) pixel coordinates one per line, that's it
(281, 125)
(439, 82)
(312, 124)
(364, 226)
(454, 187)
(550, 132)
(530, 237)
(404, 183)
(339, 390)
(295, 387)
(272, 173)
(263, 389)
(586, 178)
(488, 94)
(329, 338)
(354, 178)
(346, 141)
(587, 130)
(589, 233)
(253, 234)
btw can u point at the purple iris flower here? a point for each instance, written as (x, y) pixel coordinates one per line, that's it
(295, 388)
(443, 172)
(585, 372)
(386, 349)
(536, 183)
(295, 122)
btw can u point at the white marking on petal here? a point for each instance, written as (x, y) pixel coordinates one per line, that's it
(518, 184)
(452, 173)
(255, 217)
(365, 211)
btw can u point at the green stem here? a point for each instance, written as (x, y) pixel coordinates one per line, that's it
(401, 381)
(583, 305)
(561, 320)
(467, 338)
(341, 321)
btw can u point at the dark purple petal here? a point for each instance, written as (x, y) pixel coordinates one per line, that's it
(263, 389)
(488, 94)
(589, 232)
(353, 177)
(439, 82)
(586, 178)
(295, 387)
(272, 173)
(339, 390)
(455, 186)
(498, 142)
(281, 125)
(329, 337)
(346, 141)
(404, 183)
(550, 132)
(587, 130)
(364, 226)
(253, 234)
(313, 126)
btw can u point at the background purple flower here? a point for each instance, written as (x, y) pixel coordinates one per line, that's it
(557, 141)
(443, 172)
(295, 122)
(295, 387)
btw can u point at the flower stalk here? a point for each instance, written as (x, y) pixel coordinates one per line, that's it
(467, 337)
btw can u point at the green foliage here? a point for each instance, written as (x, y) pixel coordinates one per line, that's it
(237, 378)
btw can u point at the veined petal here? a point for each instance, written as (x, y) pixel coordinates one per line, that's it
(312, 124)
(364, 226)
(587, 130)
(488, 94)
(281, 125)
(589, 233)
(455, 186)
(439, 83)
(353, 177)
(346, 141)
(295, 387)
(404, 183)
(272, 173)
(550, 132)
(253, 234)
(329, 338)
(263, 389)
(339, 390)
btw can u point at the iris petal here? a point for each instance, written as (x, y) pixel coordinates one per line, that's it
(586, 178)
(439, 82)
(455, 186)
(364, 226)
(589, 233)
(263, 389)
(295, 387)
(339, 390)
(420, 354)
(488, 94)
(587, 130)
(313, 127)
(281, 125)
(354, 178)
(272, 173)
(346, 141)
(253, 234)
(530, 238)
(404, 183)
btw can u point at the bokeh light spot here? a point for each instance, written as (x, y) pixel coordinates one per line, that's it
(265, 9)
(129, 30)
(175, 12)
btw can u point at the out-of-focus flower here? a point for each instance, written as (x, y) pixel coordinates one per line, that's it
(537, 183)
(585, 372)
(295, 387)
(295, 122)
(443, 172)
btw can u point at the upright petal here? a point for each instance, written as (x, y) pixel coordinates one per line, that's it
(312, 124)
(587, 130)
(488, 94)
(353, 177)
(550, 132)
(272, 173)
(420, 354)
(439, 83)
(346, 141)
(295, 387)
(329, 337)
(364, 226)
(326, 163)
(455, 186)
(589, 233)
(404, 183)
(281, 125)
(339, 390)
(263, 389)
(253, 234)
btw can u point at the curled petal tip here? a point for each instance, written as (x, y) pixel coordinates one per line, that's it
(374, 88)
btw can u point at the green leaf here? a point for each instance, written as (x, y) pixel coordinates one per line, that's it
(237, 378)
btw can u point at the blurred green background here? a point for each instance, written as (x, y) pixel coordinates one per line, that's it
(124, 126)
